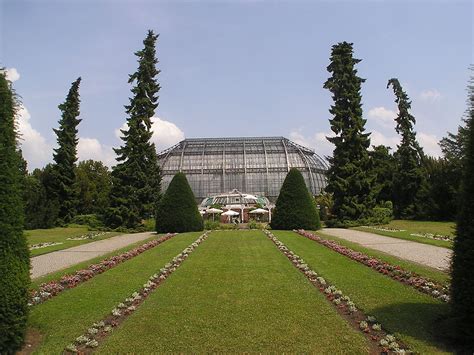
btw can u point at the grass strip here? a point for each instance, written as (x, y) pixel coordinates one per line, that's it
(425, 271)
(368, 325)
(236, 294)
(408, 314)
(61, 235)
(71, 313)
(438, 291)
(99, 330)
(406, 235)
(51, 289)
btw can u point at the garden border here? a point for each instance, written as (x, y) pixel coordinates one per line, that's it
(101, 329)
(51, 289)
(368, 325)
(395, 272)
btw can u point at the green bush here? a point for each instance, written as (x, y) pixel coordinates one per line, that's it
(211, 225)
(295, 207)
(90, 220)
(177, 210)
(14, 253)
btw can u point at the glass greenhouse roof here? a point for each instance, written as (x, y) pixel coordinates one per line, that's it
(256, 165)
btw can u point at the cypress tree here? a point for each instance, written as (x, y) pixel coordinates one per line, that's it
(350, 178)
(65, 156)
(410, 190)
(136, 178)
(463, 257)
(14, 253)
(295, 207)
(177, 210)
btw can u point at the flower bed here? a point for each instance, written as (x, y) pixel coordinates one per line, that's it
(44, 245)
(99, 330)
(384, 229)
(422, 284)
(53, 288)
(385, 342)
(445, 238)
(90, 235)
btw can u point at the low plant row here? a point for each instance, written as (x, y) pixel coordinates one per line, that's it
(90, 235)
(53, 288)
(384, 229)
(445, 238)
(99, 330)
(373, 330)
(395, 272)
(44, 245)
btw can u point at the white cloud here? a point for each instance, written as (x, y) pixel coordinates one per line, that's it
(165, 133)
(429, 142)
(378, 138)
(36, 150)
(430, 95)
(12, 74)
(91, 148)
(318, 141)
(383, 117)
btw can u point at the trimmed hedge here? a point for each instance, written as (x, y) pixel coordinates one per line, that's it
(177, 211)
(295, 207)
(14, 253)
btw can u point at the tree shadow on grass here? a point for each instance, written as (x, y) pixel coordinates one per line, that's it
(421, 321)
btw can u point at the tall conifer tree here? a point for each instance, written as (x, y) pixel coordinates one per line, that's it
(14, 253)
(136, 178)
(349, 176)
(463, 256)
(65, 156)
(410, 190)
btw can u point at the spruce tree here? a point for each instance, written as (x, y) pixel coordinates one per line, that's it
(410, 190)
(14, 253)
(462, 283)
(295, 207)
(136, 178)
(65, 156)
(350, 178)
(177, 210)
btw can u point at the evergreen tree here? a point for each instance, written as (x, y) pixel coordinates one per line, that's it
(65, 156)
(295, 207)
(14, 253)
(410, 190)
(463, 257)
(136, 178)
(93, 184)
(383, 168)
(350, 178)
(177, 210)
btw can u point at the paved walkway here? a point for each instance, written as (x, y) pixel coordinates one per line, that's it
(429, 255)
(61, 259)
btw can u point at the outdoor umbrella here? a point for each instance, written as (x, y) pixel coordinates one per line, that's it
(230, 213)
(259, 211)
(213, 211)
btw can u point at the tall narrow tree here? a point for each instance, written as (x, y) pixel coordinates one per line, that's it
(14, 253)
(463, 256)
(65, 156)
(409, 182)
(349, 177)
(136, 178)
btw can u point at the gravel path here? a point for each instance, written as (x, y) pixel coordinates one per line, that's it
(429, 255)
(61, 259)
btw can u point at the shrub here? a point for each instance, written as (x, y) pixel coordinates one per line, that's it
(90, 220)
(177, 210)
(295, 208)
(14, 253)
(211, 225)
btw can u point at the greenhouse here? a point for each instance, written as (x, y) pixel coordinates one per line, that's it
(256, 165)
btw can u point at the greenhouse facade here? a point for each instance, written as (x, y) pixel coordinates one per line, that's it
(255, 165)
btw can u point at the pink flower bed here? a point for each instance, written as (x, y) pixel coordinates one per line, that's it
(422, 284)
(52, 288)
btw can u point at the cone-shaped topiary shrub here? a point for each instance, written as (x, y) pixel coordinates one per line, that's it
(177, 210)
(295, 208)
(14, 253)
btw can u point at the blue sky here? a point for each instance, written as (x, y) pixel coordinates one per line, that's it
(234, 68)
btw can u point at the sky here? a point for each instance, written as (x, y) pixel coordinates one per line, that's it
(233, 68)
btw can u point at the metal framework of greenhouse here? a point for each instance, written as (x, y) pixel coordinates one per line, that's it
(256, 165)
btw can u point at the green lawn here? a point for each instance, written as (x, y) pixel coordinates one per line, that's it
(409, 314)
(59, 234)
(236, 293)
(425, 271)
(68, 315)
(420, 227)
